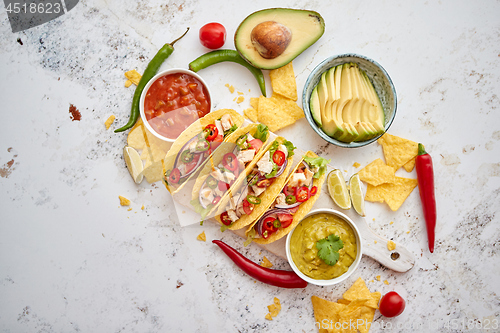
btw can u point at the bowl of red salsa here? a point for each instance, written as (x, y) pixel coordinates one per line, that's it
(172, 100)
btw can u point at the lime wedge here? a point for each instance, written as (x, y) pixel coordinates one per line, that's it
(356, 193)
(134, 163)
(338, 189)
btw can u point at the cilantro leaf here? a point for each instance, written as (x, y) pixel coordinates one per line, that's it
(329, 249)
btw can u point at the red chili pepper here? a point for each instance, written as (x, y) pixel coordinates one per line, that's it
(425, 176)
(278, 278)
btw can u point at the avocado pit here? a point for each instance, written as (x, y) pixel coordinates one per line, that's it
(270, 39)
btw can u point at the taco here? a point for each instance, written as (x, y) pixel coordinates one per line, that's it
(227, 167)
(294, 201)
(263, 183)
(195, 144)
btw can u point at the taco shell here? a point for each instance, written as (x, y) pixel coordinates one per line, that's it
(267, 197)
(189, 133)
(303, 209)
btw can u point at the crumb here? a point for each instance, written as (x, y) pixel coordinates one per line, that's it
(266, 263)
(109, 121)
(356, 165)
(202, 237)
(124, 201)
(378, 277)
(386, 282)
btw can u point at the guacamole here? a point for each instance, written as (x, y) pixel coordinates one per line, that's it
(303, 246)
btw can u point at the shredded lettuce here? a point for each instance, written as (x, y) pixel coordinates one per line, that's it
(317, 162)
(251, 235)
(231, 130)
(261, 133)
(199, 209)
(289, 146)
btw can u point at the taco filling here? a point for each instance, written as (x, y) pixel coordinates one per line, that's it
(298, 190)
(270, 166)
(196, 151)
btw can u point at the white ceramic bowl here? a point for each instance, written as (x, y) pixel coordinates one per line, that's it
(352, 268)
(148, 85)
(378, 76)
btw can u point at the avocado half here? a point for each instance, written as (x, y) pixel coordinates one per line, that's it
(306, 27)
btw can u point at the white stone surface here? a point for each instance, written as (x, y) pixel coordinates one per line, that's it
(72, 259)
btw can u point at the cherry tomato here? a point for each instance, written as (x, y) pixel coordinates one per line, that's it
(223, 187)
(247, 207)
(211, 132)
(279, 157)
(224, 217)
(174, 176)
(314, 190)
(302, 193)
(255, 144)
(213, 35)
(230, 162)
(190, 166)
(285, 219)
(392, 305)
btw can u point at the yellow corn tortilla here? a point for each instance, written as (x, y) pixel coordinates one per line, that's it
(189, 133)
(304, 208)
(216, 158)
(267, 197)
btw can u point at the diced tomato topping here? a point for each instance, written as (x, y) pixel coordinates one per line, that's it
(255, 144)
(247, 207)
(285, 219)
(192, 164)
(174, 176)
(223, 186)
(216, 200)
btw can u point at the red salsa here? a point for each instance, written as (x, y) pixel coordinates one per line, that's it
(175, 101)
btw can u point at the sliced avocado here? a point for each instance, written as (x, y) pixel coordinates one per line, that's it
(350, 114)
(345, 98)
(306, 28)
(335, 127)
(315, 107)
(376, 113)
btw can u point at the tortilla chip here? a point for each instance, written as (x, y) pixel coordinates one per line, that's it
(397, 151)
(153, 172)
(377, 172)
(109, 121)
(266, 263)
(278, 113)
(327, 314)
(251, 114)
(124, 201)
(358, 290)
(254, 102)
(133, 76)
(283, 81)
(366, 318)
(135, 138)
(373, 194)
(409, 165)
(393, 194)
(202, 237)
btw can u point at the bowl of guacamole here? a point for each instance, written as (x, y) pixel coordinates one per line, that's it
(325, 248)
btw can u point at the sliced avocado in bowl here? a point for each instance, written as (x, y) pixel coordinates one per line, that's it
(271, 38)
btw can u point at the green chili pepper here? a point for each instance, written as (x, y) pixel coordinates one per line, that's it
(252, 179)
(150, 71)
(215, 57)
(290, 199)
(212, 182)
(242, 140)
(202, 145)
(187, 156)
(277, 223)
(253, 199)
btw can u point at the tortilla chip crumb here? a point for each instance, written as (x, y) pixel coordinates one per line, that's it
(128, 210)
(373, 219)
(240, 99)
(378, 277)
(356, 165)
(202, 237)
(391, 245)
(371, 281)
(408, 232)
(230, 87)
(124, 201)
(133, 76)
(274, 308)
(392, 222)
(128, 83)
(386, 282)
(375, 242)
(142, 207)
(109, 121)
(240, 93)
(266, 263)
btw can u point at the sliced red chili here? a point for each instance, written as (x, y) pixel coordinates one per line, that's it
(279, 157)
(216, 200)
(269, 225)
(211, 132)
(289, 190)
(224, 217)
(174, 176)
(302, 193)
(314, 190)
(230, 162)
(265, 182)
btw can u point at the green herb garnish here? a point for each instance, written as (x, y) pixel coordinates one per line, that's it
(261, 132)
(317, 162)
(329, 249)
